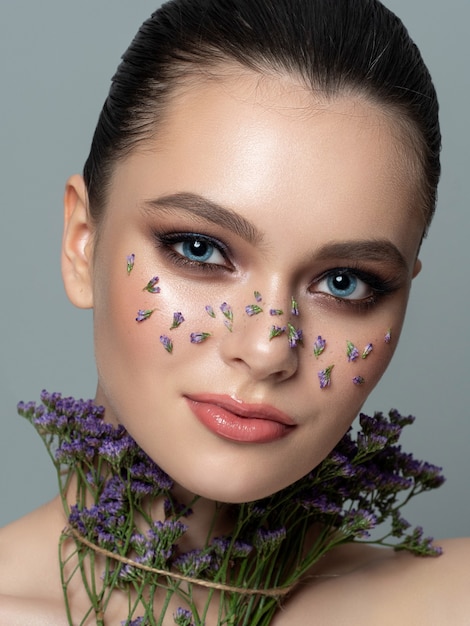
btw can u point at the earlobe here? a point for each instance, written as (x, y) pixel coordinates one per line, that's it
(77, 245)
(417, 268)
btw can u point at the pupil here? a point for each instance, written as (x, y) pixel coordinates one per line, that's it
(341, 282)
(198, 248)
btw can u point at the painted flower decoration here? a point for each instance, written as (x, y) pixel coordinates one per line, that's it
(178, 319)
(130, 263)
(166, 343)
(367, 350)
(151, 286)
(143, 314)
(319, 346)
(325, 377)
(199, 337)
(351, 351)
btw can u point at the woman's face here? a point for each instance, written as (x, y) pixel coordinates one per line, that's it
(255, 194)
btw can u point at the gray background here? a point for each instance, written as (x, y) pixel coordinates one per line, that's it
(57, 58)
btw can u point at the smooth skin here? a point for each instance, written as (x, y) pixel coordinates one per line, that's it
(312, 187)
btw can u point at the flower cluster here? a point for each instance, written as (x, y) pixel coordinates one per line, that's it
(362, 483)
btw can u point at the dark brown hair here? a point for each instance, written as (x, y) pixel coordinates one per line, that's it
(335, 46)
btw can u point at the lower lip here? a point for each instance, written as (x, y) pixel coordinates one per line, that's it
(231, 426)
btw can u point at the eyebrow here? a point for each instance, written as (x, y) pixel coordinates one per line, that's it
(381, 250)
(203, 209)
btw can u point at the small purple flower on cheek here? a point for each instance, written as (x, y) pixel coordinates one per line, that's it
(351, 351)
(209, 310)
(130, 263)
(228, 325)
(294, 335)
(167, 343)
(325, 377)
(227, 311)
(178, 319)
(358, 380)
(258, 296)
(319, 346)
(199, 337)
(294, 306)
(388, 336)
(253, 309)
(367, 350)
(276, 312)
(276, 331)
(151, 286)
(143, 314)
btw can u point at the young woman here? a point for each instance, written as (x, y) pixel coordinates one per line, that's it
(246, 231)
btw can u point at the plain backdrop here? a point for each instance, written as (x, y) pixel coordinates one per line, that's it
(57, 58)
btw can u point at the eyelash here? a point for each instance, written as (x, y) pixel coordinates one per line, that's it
(380, 287)
(167, 241)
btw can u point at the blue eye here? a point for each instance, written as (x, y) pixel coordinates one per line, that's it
(198, 249)
(344, 284)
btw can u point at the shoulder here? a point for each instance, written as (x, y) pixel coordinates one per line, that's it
(365, 586)
(29, 571)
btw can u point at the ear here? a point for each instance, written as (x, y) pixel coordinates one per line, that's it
(77, 244)
(417, 268)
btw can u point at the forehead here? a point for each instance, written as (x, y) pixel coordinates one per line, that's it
(270, 148)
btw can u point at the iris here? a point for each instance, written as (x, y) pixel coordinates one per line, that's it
(197, 250)
(342, 285)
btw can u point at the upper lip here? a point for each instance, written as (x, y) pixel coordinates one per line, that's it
(244, 409)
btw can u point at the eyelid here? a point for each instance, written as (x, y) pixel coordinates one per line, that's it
(379, 286)
(167, 240)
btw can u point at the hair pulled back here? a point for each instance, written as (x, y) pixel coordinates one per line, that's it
(332, 46)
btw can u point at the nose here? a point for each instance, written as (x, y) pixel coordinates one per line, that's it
(263, 346)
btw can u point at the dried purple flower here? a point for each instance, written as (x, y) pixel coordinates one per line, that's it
(388, 336)
(367, 350)
(130, 263)
(227, 311)
(325, 377)
(351, 351)
(276, 331)
(143, 314)
(151, 286)
(228, 324)
(258, 296)
(183, 617)
(167, 343)
(294, 336)
(209, 310)
(294, 306)
(358, 380)
(198, 337)
(319, 346)
(276, 312)
(253, 309)
(178, 319)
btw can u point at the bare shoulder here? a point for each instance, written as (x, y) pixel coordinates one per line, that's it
(29, 571)
(370, 586)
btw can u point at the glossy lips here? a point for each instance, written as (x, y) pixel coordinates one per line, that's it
(237, 421)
